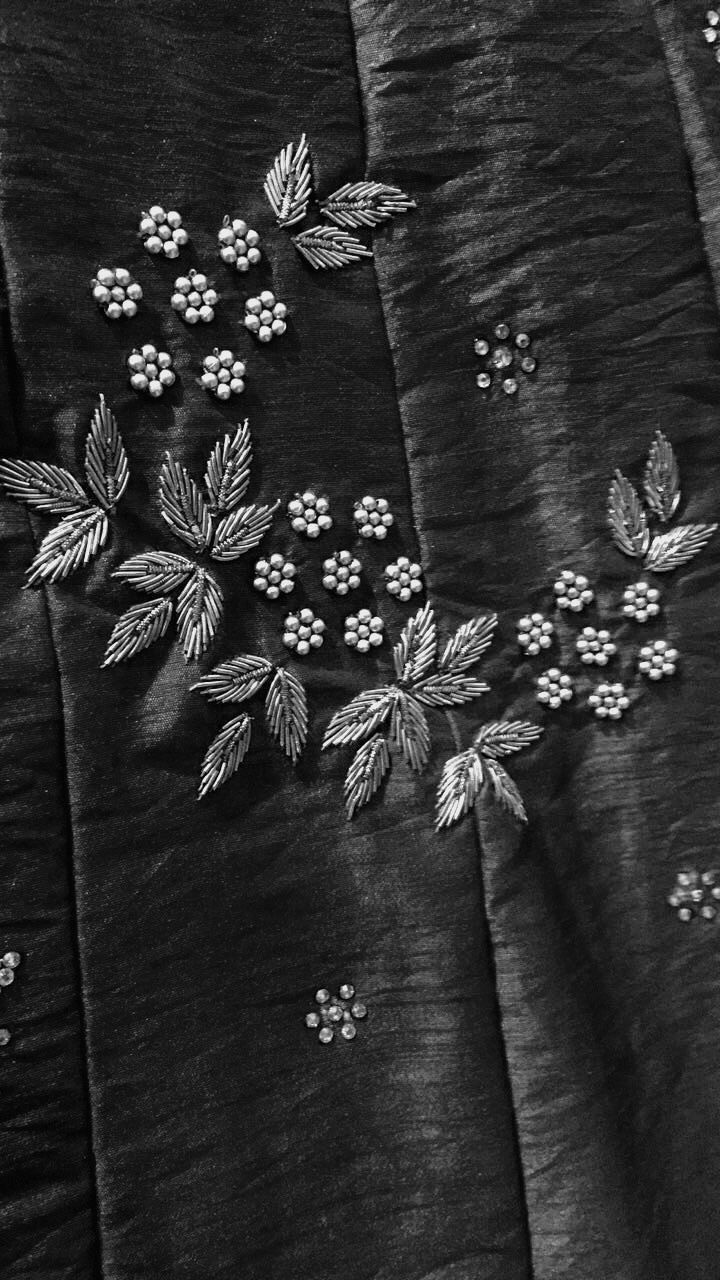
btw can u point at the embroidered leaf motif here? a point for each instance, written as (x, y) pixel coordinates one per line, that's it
(286, 712)
(137, 629)
(445, 690)
(361, 717)
(503, 737)
(228, 470)
(200, 609)
(414, 653)
(155, 571)
(468, 645)
(288, 185)
(106, 464)
(329, 248)
(43, 486)
(364, 204)
(677, 546)
(367, 771)
(183, 506)
(505, 789)
(627, 520)
(236, 680)
(462, 777)
(410, 730)
(662, 478)
(241, 531)
(69, 546)
(225, 754)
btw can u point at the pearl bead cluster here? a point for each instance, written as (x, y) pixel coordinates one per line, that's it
(403, 579)
(223, 374)
(657, 659)
(239, 246)
(303, 632)
(194, 299)
(596, 648)
(116, 292)
(341, 573)
(641, 601)
(609, 701)
(535, 632)
(573, 591)
(503, 357)
(336, 1013)
(373, 517)
(265, 317)
(274, 576)
(554, 687)
(150, 370)
(695, 894)
(163, 232)
(711, 32)
(309, 514)
(8, 964)
(363, 631)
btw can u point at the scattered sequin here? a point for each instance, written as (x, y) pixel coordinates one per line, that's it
(609, 701)
(8, 964)
(363, 631)
(116, 292)
(163, 232)
(239, 245)
(373, 517)
(403, 579)
(657, 659)
(573, 591)
(150, 370)
(535, 632)
(504, 356)
(310, 514)
(303, 632)
(336, 1014)
(554, 687)
(223, 374)
(695, 894)
(265, 317)
(341, 573)
(274, 576)
(641, 601)
(596, 648)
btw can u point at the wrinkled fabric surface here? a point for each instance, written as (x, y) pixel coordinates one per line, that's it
(534, 1093)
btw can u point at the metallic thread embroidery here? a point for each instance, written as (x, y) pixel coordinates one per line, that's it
(464, 775)
(49, 489)
(336, 1013)
(330, 248)
(365, 204)
(288, 185)
(629, 521)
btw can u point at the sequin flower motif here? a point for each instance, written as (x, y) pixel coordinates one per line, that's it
(393, 717)
(695, 894)
(216, 522)
(503, 357)
(286, 714)
(336, 1014)
(8, 964)
(51, 490)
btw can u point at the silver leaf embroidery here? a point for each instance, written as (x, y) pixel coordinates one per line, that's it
(69, 546)
(627, 520)
(329, 248)
(662, 479)
(286, 712)
(199, 612)
(106, 464)
(225, 754)
(366, 773)
(365, 204)
(288, 185)
(137, 629)
(236, 680)
(228, 470)
(183, 506)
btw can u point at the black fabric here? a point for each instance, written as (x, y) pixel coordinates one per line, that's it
(534, 1091)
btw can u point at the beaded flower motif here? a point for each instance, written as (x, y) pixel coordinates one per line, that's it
(394, 716)
(336, 1013)
(8, 964)
(51, 490)
(504, 357)
(695, 894)
(215, 521)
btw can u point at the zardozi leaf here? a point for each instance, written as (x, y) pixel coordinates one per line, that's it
(183, 506)
(236, 680)
(468, 644)
(409, 728)
(288, 185)
(155, 571)
(106, 464)
(137, 629)
(364, 204)
(662, 478)
(414, 653)
(69, 546)
(445, 690)
(199, 613)
(359, 718)
(462, 777)
(228, 470)
(627, 520)
(286, 712)
(242, 530)
(43, 486)
(503, 737)
(505, 789)
(225, 754)
(677, 546)
(329, 248)
(367, 771)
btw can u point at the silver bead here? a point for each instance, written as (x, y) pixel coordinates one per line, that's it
(5, 1037)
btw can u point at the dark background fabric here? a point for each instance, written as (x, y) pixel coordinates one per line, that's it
(534, 1092)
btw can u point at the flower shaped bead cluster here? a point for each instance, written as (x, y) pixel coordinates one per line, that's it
(223, 374)
(554, 687)
(336, 1013)
(503, 358)
(641, 601)
(239, 245)
(117, 292)
(609, 701)
(163, 232)
(265, 317)
(535, 632)
(194, 299)
(596, 648)
(363, 631)
(275, 576)
(303, 632)
(712, 31)
(657, 660)
(341, 573)
(150, 370)
(373, 517)
(695, 894)
(573, 591)
(309, 514)
(403, 579)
